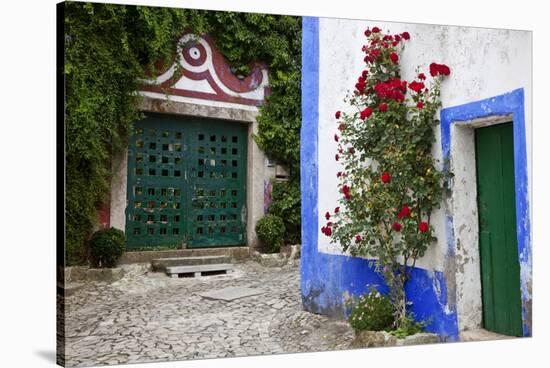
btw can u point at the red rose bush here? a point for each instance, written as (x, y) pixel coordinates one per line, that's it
(389, 184)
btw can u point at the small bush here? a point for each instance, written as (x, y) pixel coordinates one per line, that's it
(408, 327)
(270, 230)
(106, 247)
(285, 203)
(372, 312)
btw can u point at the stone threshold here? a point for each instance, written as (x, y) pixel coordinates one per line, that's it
(236, 253)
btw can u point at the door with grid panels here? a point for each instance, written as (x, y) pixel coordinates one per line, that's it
(186, 183)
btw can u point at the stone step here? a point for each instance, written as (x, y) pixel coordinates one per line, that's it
(236, 254)
(161, 264)
(198, 270)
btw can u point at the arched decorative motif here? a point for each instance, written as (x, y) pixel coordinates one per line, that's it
(200, 71)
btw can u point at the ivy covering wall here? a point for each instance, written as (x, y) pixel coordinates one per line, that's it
(108, 47)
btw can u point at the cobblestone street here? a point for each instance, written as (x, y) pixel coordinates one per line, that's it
(150, 317)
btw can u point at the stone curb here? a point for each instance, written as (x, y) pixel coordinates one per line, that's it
(287, 255)
(370, 339)
(77, 274)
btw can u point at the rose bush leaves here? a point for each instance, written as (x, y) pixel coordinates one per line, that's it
(389, 182)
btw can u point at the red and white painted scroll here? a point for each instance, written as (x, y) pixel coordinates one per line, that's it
(201, 73)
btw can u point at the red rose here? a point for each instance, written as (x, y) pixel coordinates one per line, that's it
(360, 86)
(384, 45)
(366, 113)
(337, 115)
(364, 74)
(405, 211)
(327, 215)
(444, 69)
(336, 137)
(326, 230)
(385, 177)
(397, 38)
(341, 127)
(405, 35)
(375, 29)
(383, 107)
(395, 43)
(358, 238)
(419, 104)
(375, 53)
(421, 76)
(423, 227)
(368, 59)
(394, 58)
(337, 157)
(439, 69)
(433, 69)
(367, 33)
(346, 191)
(416, 86)
(396, 226)
(338, 174)
(337, 209)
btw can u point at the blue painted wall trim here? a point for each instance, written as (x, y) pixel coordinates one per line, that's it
(505, 104)
(326, 278)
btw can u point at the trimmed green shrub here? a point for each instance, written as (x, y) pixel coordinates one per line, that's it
(270, 230)
(286, 203)
(372, 312)
(106, 247)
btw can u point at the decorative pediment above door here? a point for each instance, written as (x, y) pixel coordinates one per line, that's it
(200, 72)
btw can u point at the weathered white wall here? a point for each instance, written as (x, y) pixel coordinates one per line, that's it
(483, 62)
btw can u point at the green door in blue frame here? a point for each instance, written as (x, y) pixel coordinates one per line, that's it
(186, 183)
(500, 270)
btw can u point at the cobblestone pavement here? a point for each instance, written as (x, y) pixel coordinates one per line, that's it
(150, 317)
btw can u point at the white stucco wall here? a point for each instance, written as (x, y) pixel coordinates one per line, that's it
(483, 62)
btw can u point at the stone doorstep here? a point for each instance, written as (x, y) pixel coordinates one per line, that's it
(481, 335)
(197, 270)
(160, 264)
(235, 253)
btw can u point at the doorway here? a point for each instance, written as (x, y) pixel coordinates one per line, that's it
(498, 245)
(186, 183)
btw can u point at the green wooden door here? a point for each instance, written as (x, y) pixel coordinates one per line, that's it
(186, 183)
(500, 276)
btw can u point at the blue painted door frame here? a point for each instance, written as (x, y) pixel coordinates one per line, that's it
(511, 103)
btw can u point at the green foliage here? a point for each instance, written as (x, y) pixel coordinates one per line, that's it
(372, 312)
(270, 230)
(408, 327)
(286, 203)
(389, 180)
(106, 247)
(275, 40)
(108, 47)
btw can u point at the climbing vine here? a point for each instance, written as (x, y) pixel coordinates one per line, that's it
(108, 47)
(389, 182)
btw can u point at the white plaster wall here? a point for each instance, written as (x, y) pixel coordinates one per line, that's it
(483, 62)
